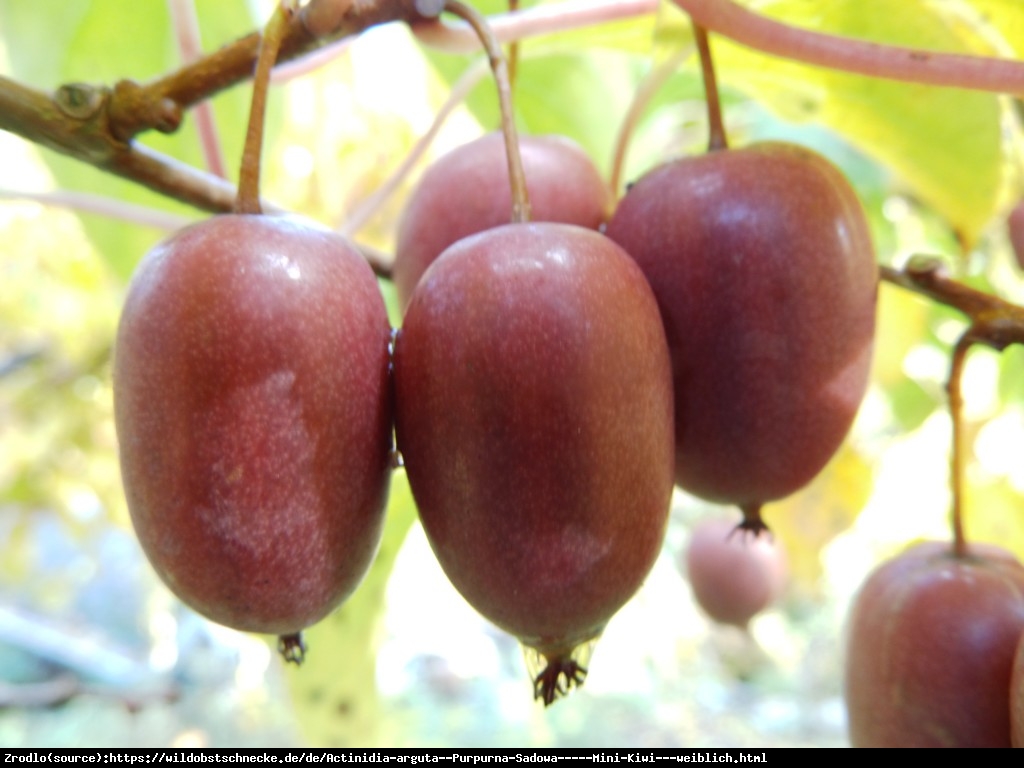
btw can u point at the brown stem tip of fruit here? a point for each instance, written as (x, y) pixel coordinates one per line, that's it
(752, 524)
(292, 648)
(555, 672)
(555, 680)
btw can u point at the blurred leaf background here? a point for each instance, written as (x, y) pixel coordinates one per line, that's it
(94, 651)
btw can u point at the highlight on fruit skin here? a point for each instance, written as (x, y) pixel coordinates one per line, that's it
(534, 414)
(930, 647)
(253, 413)
(762, 262)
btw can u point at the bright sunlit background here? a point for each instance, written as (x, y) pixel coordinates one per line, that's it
(94, 651)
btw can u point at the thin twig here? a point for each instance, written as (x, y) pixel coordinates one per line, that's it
(642, 96)
(96, 124)
(994, 322)
(367, 208)
(185, 22)
(132, 103)
(102, 206)
(980, 73)
(532, 22)
(77, 121)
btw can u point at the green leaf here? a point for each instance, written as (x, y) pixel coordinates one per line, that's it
(995, 24)
(582, 96)
(945, 144)
(52, 42)
(1011, 378)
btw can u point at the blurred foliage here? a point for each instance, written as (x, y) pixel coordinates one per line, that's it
(807, 521)
(58, 311)
(335, 688)
(945, 145)
(935, 168)
(87, 43)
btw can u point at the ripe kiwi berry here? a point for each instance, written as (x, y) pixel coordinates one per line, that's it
(534, 415)
(253, 410)
(762, 263)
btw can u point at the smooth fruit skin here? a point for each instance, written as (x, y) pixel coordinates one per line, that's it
(253, 412)
(734, 575)
(1017, 696)
(467, 191)
(534, 416)
(763, 267)
(930, 647)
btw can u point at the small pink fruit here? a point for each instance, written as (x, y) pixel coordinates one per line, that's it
(734, 575)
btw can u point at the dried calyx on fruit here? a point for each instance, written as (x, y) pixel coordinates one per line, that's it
(253, 410)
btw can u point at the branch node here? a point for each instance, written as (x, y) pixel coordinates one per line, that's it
(167, 116)
(80, 101)
(322, 18)
(993, 321)
(923, 266)
(132, 110)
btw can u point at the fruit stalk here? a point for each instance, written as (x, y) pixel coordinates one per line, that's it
(716, 127)
(513, 49)
(249, 177)
(956, 402)
(520, 197)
